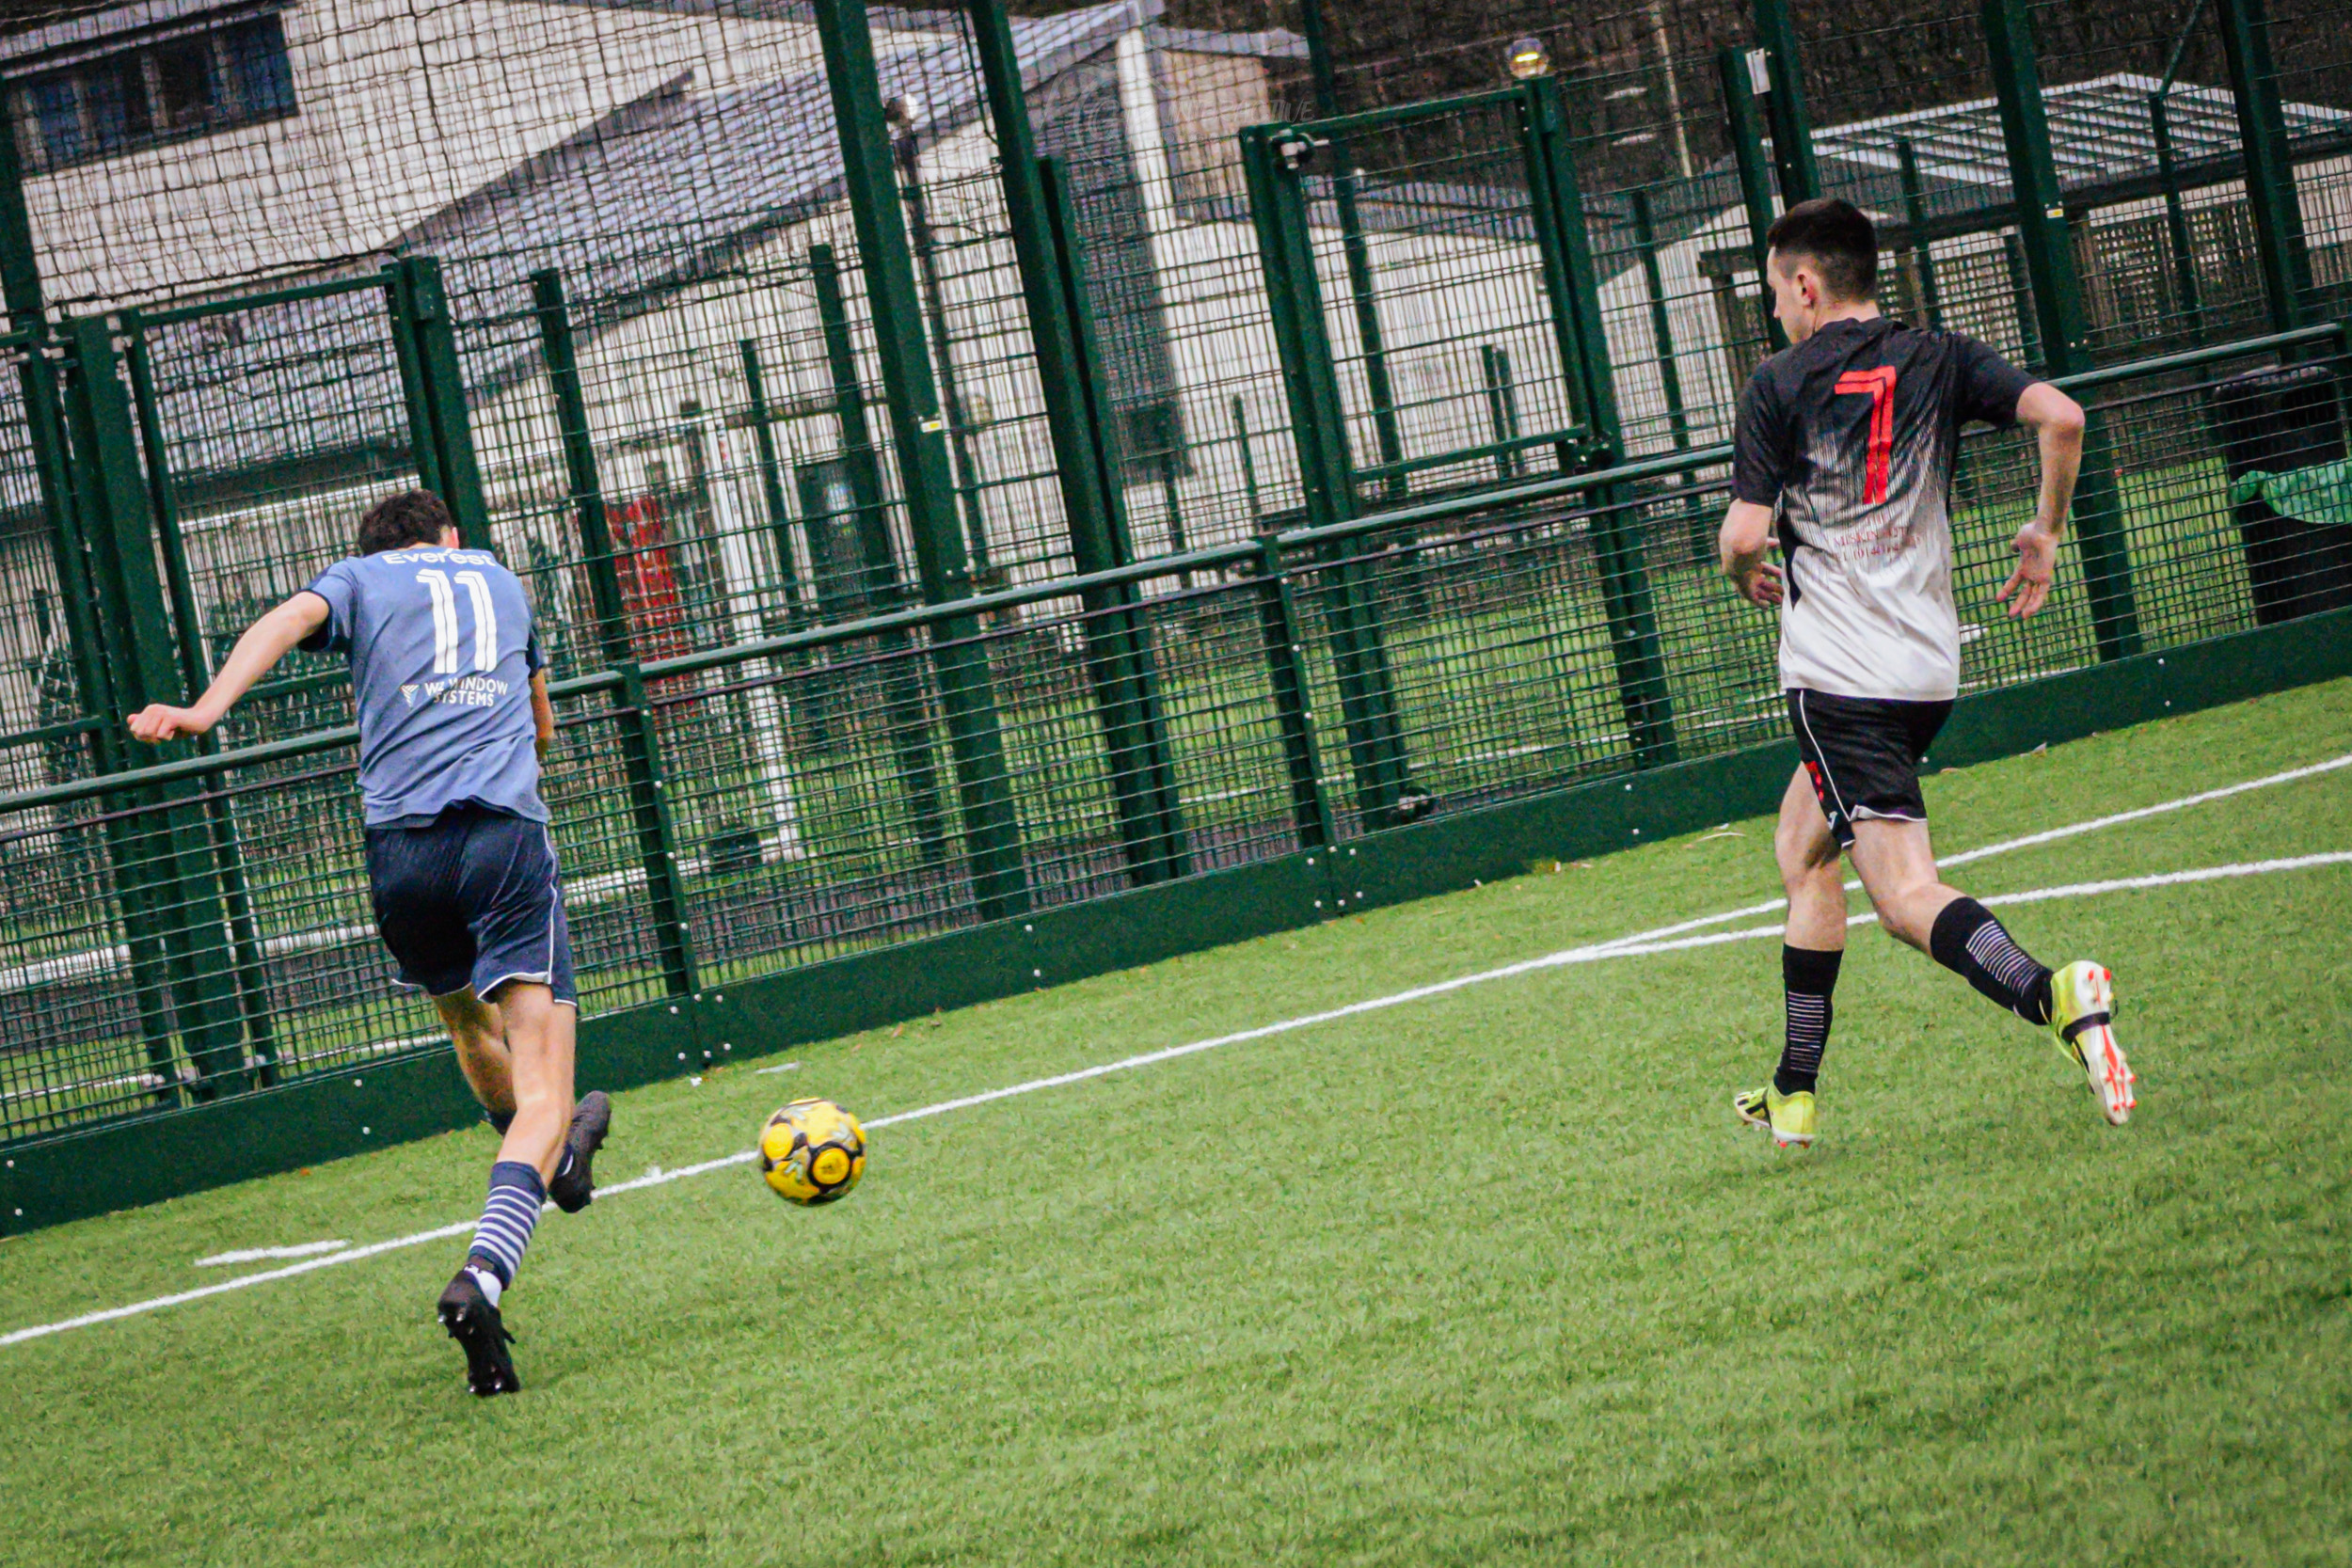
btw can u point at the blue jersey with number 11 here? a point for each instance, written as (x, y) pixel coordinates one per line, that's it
(441, 658)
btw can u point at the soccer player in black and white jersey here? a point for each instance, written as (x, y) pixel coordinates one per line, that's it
(1844, 449)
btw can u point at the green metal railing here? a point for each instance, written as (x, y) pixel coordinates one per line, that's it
(135, 981)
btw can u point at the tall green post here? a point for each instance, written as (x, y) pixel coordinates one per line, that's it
(593, 530)
(1661, 330)
(770, 476)
(879, 587)
(1916, 220)
(421, 314)
(1792, 128)
(991, 830)
(196, 673)
(1272, 156)
(1356, 257)
(1618, 545)
(164, 859)
(1120, 660)
(1745, 75)
(44, 417)
(632, 713)
(2064, 330)
(2176, 217)
(2286, 262)
(906, 713)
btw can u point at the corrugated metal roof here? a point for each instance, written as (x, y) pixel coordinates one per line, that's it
(665, 191)
(2100, 130)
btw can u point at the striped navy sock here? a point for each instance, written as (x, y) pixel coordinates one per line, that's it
(1967, 940)
(1810, 975)
(507, 1220)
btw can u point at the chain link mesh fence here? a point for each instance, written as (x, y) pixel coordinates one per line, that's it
(591, 269)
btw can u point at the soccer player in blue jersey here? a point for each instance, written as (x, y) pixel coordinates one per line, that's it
(453, 724)
(1845, 443)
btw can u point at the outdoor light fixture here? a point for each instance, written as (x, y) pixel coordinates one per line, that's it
(1530, 61)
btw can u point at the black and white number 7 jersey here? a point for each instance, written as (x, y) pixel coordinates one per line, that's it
(1853, 434)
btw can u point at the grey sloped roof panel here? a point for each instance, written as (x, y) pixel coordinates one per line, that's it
(648, 200)
(2100, 130)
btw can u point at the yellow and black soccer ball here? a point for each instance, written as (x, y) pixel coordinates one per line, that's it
(811, 1151)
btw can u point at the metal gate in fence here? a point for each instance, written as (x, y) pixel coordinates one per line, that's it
(1433, 296)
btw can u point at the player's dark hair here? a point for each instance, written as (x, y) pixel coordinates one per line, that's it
(397, 521)
(1836, 239)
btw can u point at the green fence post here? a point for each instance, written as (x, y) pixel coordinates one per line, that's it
(1660, 319)
(1539, 100)
(1286, 673)
(173, 869)
(2286, 262)
(1355, 258)
(771, 479)
(1376, 744)
(423, 313)
(2176, 217)
(657, 833)
(880, 587)
(110, 694)
(1916, 220)
(1792, 128)
(592, 526)
(2049, 252)
(1248, 460)
(991, 828)
(907, 712)
(963, 465)
(1618, 545)
(1502, 409)
(196, 673)
(44, 418)
(1746, 76)
(1120, 660)
(424, 445)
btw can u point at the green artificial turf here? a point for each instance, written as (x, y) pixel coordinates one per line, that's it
(1489, 1277)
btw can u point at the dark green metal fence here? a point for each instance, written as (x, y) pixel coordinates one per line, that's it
(698, 863)
(982, 480)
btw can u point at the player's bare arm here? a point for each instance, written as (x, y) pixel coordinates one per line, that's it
(1742, 548)
(2057, 421)
(542, 713)
(257, 653)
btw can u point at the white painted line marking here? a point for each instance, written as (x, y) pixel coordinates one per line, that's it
(1619, 949)
(782, 1067)
(2031, 841)
(262, 1254)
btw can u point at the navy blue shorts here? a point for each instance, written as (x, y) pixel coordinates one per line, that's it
(472, 899)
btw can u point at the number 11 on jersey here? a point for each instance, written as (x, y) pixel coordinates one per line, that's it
(485, 620)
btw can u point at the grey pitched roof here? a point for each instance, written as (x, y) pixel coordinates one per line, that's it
(658, 194)
(2101, 134)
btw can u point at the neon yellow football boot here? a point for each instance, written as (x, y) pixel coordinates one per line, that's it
(2082, 1016)
(1788, 1117)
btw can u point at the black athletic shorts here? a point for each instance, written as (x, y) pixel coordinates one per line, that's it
(1863, 755)
(472, 899)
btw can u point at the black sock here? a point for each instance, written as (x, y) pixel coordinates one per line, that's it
(1810, 975)
(1970, 943)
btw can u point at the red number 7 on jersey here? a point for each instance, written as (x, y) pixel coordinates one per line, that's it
(1880, 385)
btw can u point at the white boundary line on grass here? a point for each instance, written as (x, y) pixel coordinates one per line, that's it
(2052, 835)
(1623, 948)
